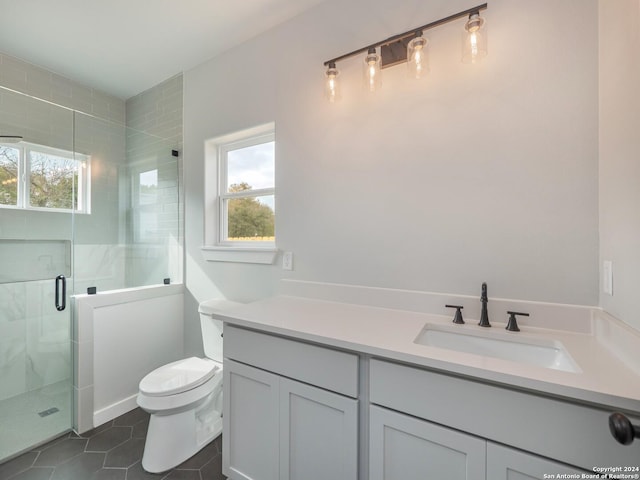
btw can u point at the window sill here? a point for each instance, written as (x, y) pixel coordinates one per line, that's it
(257, 255)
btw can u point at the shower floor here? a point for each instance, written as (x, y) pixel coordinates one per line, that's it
(23, 427)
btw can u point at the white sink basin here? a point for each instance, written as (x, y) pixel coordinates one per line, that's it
(514, 347)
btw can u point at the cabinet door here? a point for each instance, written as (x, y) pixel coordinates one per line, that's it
(250, 423)
(505, 463)
(318, 433)
(404, 447)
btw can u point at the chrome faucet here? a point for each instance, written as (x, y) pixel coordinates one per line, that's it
(484, 316)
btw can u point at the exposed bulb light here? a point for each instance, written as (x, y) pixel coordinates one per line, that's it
(372, 72)
(417, 58)
(474, 39)
(332, 86)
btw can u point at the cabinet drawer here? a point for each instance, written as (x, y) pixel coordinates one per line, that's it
(323, 367)
(575, 434)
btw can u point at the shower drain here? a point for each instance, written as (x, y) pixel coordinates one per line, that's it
(48, 412)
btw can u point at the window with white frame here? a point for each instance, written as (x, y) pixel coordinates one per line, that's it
(37, 177)
(240, 185)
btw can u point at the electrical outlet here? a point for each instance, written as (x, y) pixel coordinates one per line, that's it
(287, 261)
(607, 277)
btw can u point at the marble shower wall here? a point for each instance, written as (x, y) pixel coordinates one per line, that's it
(34, 347)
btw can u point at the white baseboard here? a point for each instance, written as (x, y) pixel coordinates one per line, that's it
(115, 410)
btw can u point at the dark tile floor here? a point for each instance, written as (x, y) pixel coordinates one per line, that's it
(112, 451)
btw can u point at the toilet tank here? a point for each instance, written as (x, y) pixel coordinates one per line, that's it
(212, 329)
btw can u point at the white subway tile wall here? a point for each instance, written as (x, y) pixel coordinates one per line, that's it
(154, 118)
(24, 77)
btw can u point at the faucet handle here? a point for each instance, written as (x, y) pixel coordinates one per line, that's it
(458, 316)
(512, 325)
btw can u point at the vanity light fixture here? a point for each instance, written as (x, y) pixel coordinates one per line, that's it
(410, 47)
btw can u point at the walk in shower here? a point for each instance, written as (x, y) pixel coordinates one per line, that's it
(84, 203)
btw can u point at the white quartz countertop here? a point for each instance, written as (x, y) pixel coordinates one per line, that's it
(390, 334)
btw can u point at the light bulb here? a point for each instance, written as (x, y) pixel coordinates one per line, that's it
(372, 74)
(332, 86)
(474, 39)
(417, 58)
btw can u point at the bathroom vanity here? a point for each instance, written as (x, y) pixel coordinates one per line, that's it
(316, 389)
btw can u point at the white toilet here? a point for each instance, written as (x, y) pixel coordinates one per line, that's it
(184, 399)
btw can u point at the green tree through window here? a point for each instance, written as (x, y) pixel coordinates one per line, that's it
(53, 181)
(248, 217)
(9, 175)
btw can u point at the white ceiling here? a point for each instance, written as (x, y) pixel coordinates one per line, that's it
(124, 47)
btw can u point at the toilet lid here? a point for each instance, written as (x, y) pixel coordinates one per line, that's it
(178, 376)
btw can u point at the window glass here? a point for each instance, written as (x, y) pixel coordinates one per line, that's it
(247, 184)
(253, 166)
(53, 180)
(148, 183)
(40, 177)
(146, 205)
(9, 158)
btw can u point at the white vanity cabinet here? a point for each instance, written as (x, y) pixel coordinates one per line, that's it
(550, 436)
(296, 408)
(290, 409)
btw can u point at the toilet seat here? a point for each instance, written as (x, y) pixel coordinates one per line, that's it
(177, 377)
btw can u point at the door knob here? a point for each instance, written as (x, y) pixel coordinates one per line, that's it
(622, 429)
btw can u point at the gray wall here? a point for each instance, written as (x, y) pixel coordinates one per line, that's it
(619, 161)
(482, 173)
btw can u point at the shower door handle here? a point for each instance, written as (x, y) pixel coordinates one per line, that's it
(61, 301)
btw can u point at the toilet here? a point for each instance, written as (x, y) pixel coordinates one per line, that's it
(184, 399)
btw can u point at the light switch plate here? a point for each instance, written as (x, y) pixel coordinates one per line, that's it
(287, 261)
(607, 277)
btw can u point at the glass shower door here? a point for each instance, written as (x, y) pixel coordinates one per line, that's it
(39, 177)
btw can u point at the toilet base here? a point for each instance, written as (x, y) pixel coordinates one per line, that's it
(172, 439)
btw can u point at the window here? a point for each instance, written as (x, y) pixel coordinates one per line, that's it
(247, 190)
(240, 185)
(36, 177)
(145, 205)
